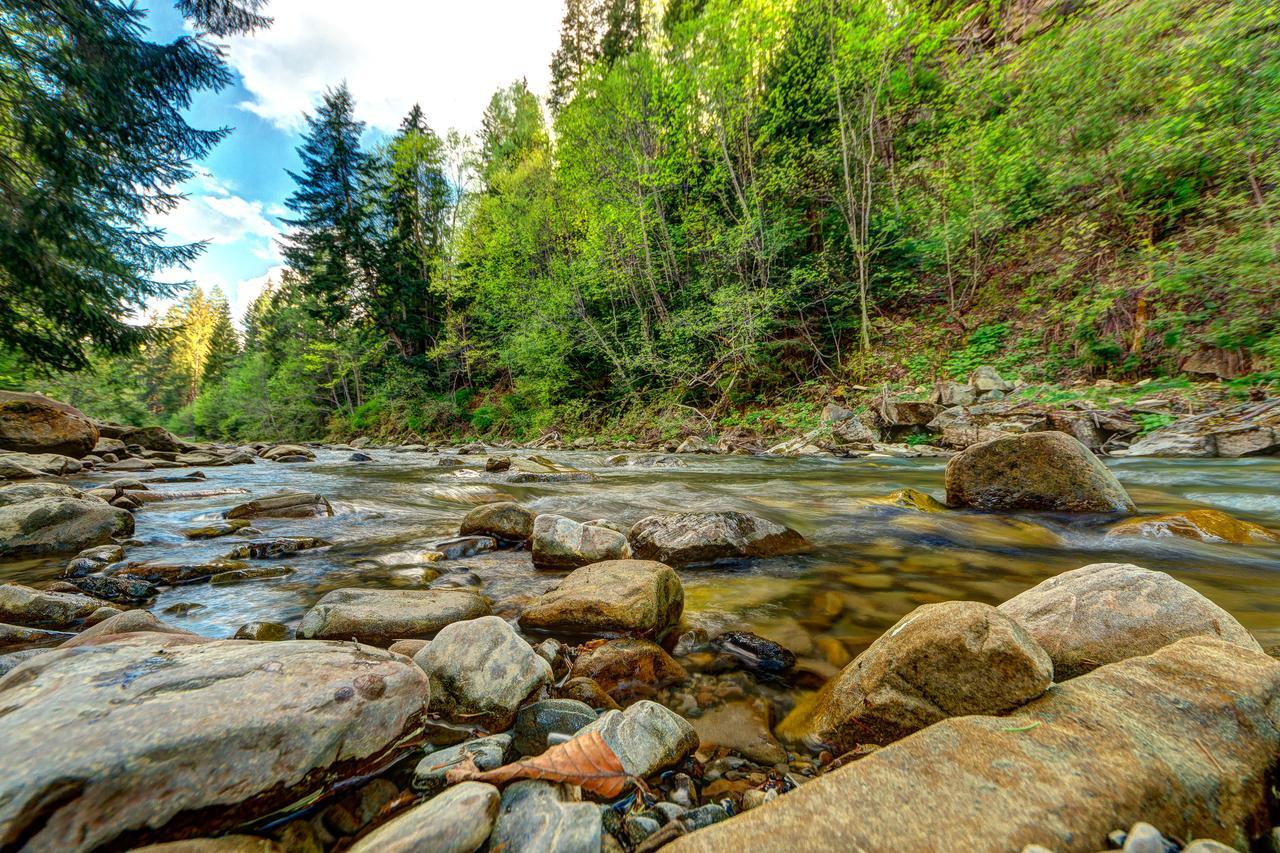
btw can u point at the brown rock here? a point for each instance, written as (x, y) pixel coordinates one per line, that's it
(127, 622)
(408, 648)
(33, 423)
(1205, 525)
(610, 599)
(1107, 612)
(741, 727)
(505, 520)
(1037, 471)
(587, 691)
(626, 669)
(22, 605)
(297, 505)
(941, 660)
(1185, 738)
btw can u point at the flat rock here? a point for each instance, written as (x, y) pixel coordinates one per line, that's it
(742, 727)
(164, 735)
(1038, 471)
(1106, 612)
(175, 573)
(1185, 738)
(562, 543)
(646, 737)
(481, 671)
(539, 817)
(539, 724)
(295, 505)
(456, 821)
(33, 423)
(681, 539)
(24, 492)
(382, 616)
(22, 605)
(15, 638)
(1172, 443)
(940, 660)
(59, 525)
(504, 520)
(628, 668)
(610, 599)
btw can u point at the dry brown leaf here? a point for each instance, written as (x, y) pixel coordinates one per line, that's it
(585, 760)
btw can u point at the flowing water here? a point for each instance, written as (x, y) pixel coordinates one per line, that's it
(871, 563)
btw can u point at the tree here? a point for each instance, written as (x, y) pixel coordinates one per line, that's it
(330, 245)
(580, 33)
(224, 343)
(512, 127)
(623, 28)
(92, 143)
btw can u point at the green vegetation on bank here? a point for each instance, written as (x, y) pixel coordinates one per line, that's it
(739, 201)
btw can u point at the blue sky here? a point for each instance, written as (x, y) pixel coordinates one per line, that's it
(447, 56)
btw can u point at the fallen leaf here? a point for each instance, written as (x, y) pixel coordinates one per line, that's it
(585, 760)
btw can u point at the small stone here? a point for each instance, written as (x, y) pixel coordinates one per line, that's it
(646, 737)
(668, 811)
(1208, 845)
(262, 631)
(253, 573)
(534, 816)
(22, 605)
(1145, 838)
(456, 821)
(359, 457)
(628, 668)
(752, 798)
(408, 648)
(704, 816)
(640, 827)
(755, 652)
(487, 752)
(461, 547)
(588, 692)
(744, 728)
(537, 725)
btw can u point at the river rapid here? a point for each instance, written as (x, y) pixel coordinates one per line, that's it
(871, 563)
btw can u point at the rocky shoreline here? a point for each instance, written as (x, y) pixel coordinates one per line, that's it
(1110, 705)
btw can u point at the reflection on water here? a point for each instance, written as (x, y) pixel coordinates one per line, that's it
(872, 563)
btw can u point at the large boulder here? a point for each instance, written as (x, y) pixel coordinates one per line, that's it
(1185, 738)
(1173, 442)
(153, 438)
(33, 423)
(153, 736)
(689, 538)
(1107, 612)
(481, 672)
(1037, 471)
(382, 616)
(504, 520)
(23, 492)
(562, 543)
(1205, 525)
(940, 660)
(59, 525)
(610, 599)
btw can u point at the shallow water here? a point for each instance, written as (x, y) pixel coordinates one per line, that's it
(871, 563)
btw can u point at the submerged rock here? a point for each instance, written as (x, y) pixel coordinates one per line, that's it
(911, 499)
(1037, 471)
(271, 549)
(1206, 525)
(744, 728)
(562, 543)
(504, 520)
(1107, 612)
(939, 661)
(382, 616)
(213, 531)
(130, 590)
(481, 671)
(457, 821)
(253, 573)
(155, 729)
(59, 525)
(613, 598)
(680, 539)
(297, 505)
(628, 668)
(33, 423)
(1185, 738)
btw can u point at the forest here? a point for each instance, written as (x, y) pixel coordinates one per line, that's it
(724, 207)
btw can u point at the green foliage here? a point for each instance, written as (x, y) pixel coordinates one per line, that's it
(1152, 421)
(981, 348)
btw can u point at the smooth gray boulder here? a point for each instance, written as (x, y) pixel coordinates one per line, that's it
(382, 616)
(154, 732)
(646, 737)
(59, 525)
(487, 753)
(562, 543)
(689, 538)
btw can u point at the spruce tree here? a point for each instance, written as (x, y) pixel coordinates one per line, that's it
(92, 142)
(329, 247)
(224, 344)
(623, 29)
(580, 32)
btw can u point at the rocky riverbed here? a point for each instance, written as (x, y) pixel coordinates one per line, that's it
(290, 647)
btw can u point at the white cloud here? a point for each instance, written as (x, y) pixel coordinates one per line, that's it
(214, 213)
(241, 295)
(448, 55)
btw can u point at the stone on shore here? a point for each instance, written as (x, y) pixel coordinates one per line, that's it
(562, 543)
(456, 821)
(481, 671)
(1106, 612)
(59, 525)
(22, 605)
(154, 731)
(26, 492)
(295, 505)
(153, 438)
(628, 668)
(382, 616)
(1185, 738)
(681, 539)
(941, 660)
(33, 423)
(53, 464)
(540, 817)
(646, 737)
(742, 727)
(14, 638)
(1049, 471)
(1205, 525)
(265, 632)
(504, 520)
(487, 753)
(547, 722)
(610, 599)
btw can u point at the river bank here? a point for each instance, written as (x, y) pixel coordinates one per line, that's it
(720, 668)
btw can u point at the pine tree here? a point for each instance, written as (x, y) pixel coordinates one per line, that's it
(224, 343)
(624, 29)
(92, 141)
(330, 246)
(580, 32)
(413, 215)
(512, 127)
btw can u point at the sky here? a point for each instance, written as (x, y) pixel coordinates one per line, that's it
(447, 55)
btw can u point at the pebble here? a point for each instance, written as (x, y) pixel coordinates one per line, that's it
(487, 752)
(704, 816)
(456, 821)
(639, 827)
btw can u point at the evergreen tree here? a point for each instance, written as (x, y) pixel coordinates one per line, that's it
(92, 140)
(580, 32)
(224, 344)
(624, 29)
(330, 246)
(512, 127)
